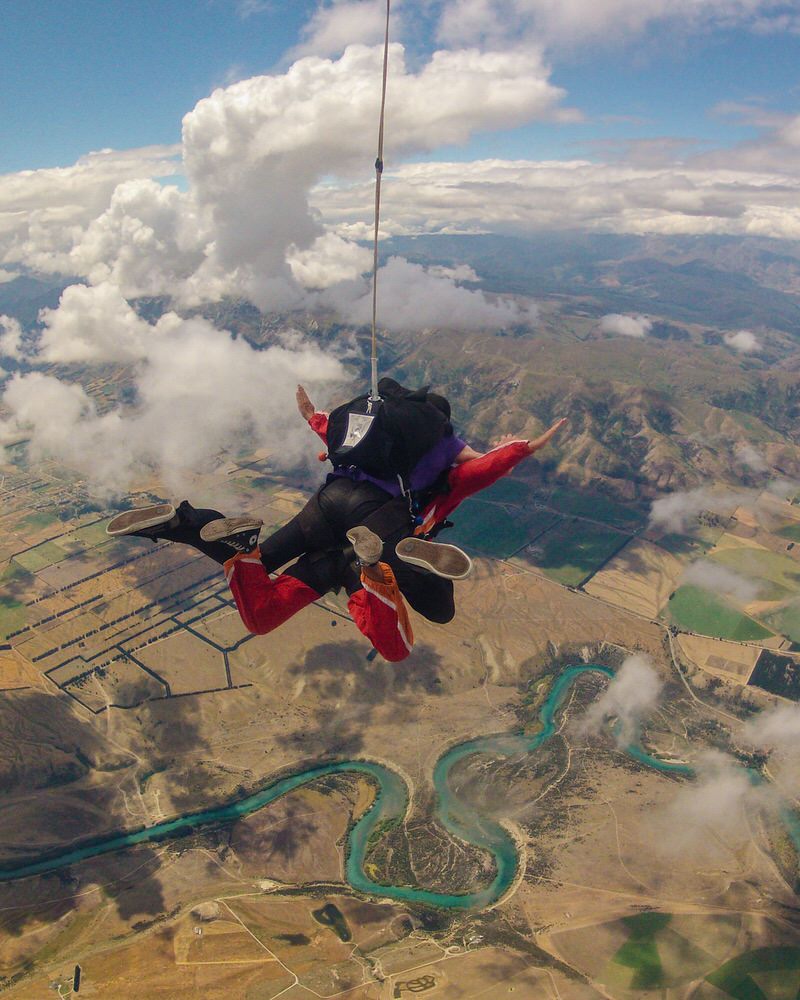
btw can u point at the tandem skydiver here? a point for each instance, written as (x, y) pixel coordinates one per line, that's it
(389, 555)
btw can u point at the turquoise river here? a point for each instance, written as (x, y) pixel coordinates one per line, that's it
(390, 803)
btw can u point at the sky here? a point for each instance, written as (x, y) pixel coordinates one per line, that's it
(196, 149)
(121, 74)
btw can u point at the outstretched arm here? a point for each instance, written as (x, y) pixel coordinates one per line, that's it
(536, 443)
(473, 474)
(317, 421)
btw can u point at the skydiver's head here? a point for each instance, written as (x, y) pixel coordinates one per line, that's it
(440, 403)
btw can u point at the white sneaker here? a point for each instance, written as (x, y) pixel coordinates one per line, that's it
(366, 545)
(443, 560)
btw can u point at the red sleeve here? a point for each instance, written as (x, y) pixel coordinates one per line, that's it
(471, 476)
(319, 423)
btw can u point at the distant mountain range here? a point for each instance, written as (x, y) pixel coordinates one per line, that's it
(675, 409)
(719, 281)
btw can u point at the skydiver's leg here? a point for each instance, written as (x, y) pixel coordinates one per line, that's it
(470, 477)
(380, 613)
(262, 602)
(182, 524)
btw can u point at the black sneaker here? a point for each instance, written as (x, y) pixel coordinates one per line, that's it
(240, 534)
(144, 522)
(444, 560)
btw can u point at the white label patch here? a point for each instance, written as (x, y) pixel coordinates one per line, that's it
(358, 424)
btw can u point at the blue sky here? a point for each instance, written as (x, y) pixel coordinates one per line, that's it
(93, 74)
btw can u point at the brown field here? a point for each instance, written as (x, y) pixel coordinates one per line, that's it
(640, 578)
(185, 662)
(730, 660)
(487, 972)
(16, 672)
(223, 626)
(219, 942)
(124, 684)
(148, 967)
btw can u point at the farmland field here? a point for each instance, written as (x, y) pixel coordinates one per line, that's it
(572, 550)
(698, 610)
(740, 977)
(491, 528)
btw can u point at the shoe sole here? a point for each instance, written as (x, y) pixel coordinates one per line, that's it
(224, 527)
(367, 546)
(140, 518)
(439, 558)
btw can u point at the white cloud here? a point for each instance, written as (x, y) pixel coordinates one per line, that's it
(461, 272)
(329, 260)
(520, 196)
(721, 580)
(784, 488)
(6, 276)
(677, 511)
(743, 342)
(631, 696)
(626, 326)
(710, 815)
(749, 456)
(573, 22)
(199, 394)
(10, 338)
(335, 25)
(411, 297)
(43, 212)
(776, 728)
(95, 325)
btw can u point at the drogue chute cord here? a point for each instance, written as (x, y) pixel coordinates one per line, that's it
(374, 396)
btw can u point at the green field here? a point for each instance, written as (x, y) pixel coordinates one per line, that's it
(506, 490)
(38, 520)
(12, 616)
(495, 530)
(791, 531)
(777, 970)
(786, 621)
(42, 555)
(761, 564)
(698, 610)
(573, 550)
(595, 506)
(89, 536)
(640, 952)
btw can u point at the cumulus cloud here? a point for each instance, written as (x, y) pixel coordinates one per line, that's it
(677, 511)
(44, 212)
(743, 342)
(517, 196)
(198, 394)
(631, 696)
(784, 488)
(721, 580)
(626, 326)
(95, 325)
(10, 338)
(335, 25)
(411, 297)
(710, 816)
(749, 456)
(777, 728)
(328, 261)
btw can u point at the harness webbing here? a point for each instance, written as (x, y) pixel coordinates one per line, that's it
(374, 396)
